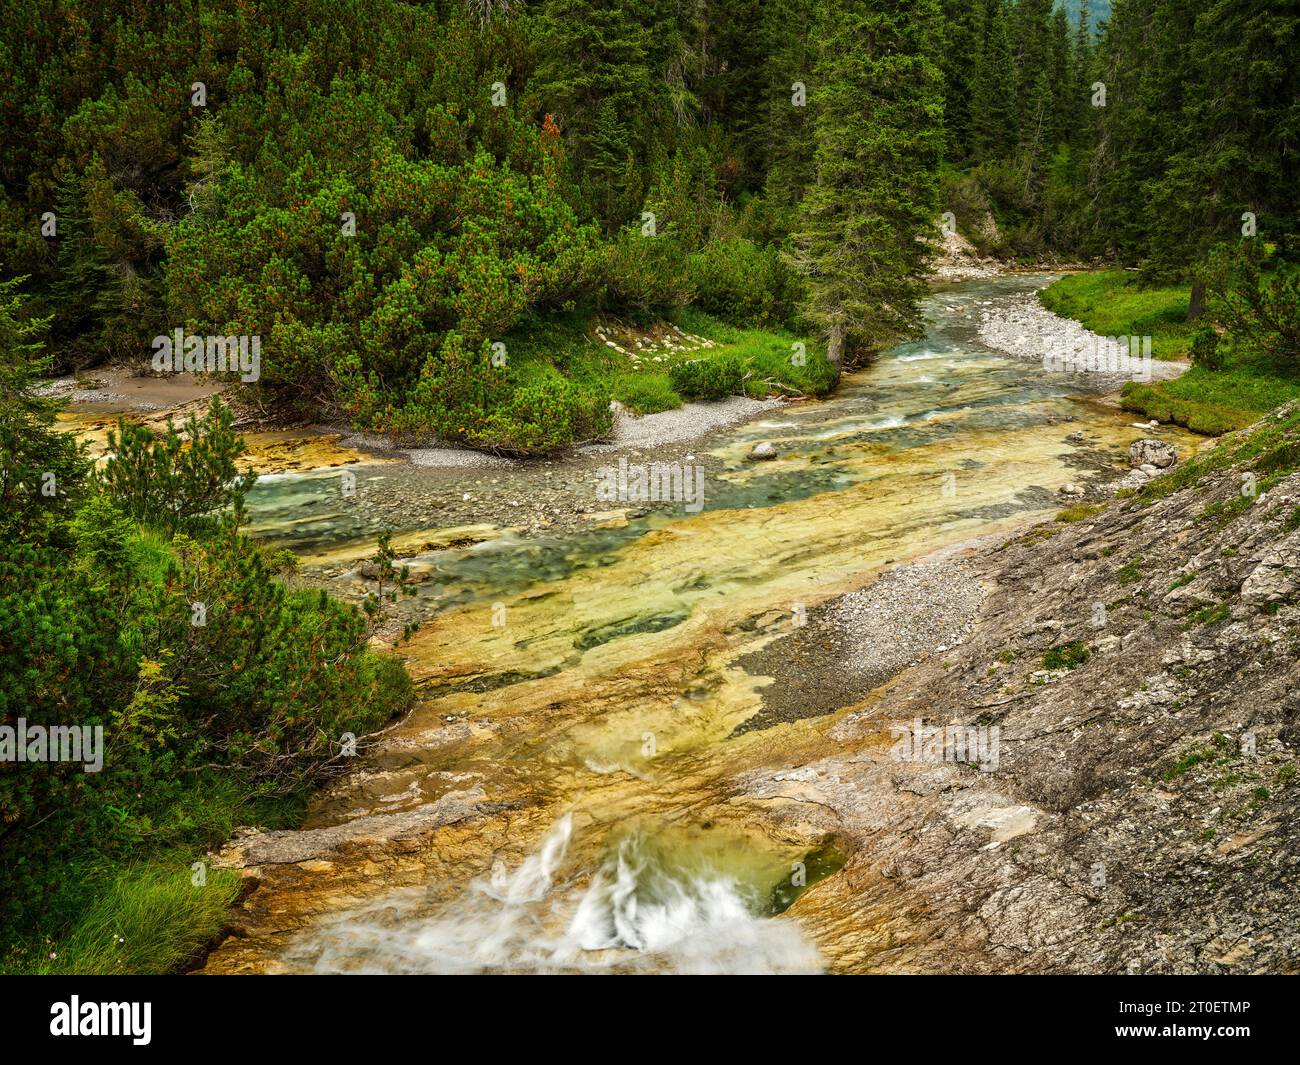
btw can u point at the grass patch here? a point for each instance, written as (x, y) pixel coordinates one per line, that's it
(1187, 762)
(1130, 572)
(1212, 403)
(749, 361)
(1210, 615)
(768, 355)
(1219, 751)
(150, 919)
(1038, 534)
(1080, 512)
(1222, 512)
(1067, 656)
(134, 910)
(1110, 303)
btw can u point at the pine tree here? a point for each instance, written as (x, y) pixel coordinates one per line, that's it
(963, 23)
(41, 469)
(1062, 87)
(1235, 150)
(596, 77)
(788, 135)
(1035, 94)
(735, 95)
(1146, 69)
(993, 109)
(1082, 125)
(81, 294)
(879, 130)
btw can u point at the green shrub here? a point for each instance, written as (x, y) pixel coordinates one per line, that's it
(1257, 299)
(455, 240)
(542, 415)
(1205, 349)
(244, 709)
(178, 483)
(645, 276)
(708, 378)
(1067, 656)
(645, 393)
(463, 398)
(741, 282)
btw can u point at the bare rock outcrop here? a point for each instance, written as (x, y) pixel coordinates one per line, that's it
(1142, 813)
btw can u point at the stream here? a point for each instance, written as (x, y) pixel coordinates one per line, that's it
(564, 796)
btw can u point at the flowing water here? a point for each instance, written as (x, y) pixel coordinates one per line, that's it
(658, 901)
(576, 741)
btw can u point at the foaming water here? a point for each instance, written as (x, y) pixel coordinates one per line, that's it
(651, 905)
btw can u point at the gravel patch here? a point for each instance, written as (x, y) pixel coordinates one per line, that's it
(687, 422)
(66, 388)
(1022, 327)
(362, 441)
(909, 611)
(855, 643)
(454, 458)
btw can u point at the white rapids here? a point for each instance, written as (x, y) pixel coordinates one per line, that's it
(636, 913)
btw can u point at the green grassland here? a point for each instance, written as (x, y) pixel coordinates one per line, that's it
(1213, 402)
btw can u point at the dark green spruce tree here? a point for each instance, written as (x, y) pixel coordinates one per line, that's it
(787, 137)
(993, 112)
(595, 74)
(963, 32)
(879, 139)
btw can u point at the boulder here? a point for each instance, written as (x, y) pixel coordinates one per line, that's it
(762, 451)
(1151, 452)
(1277, 576)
